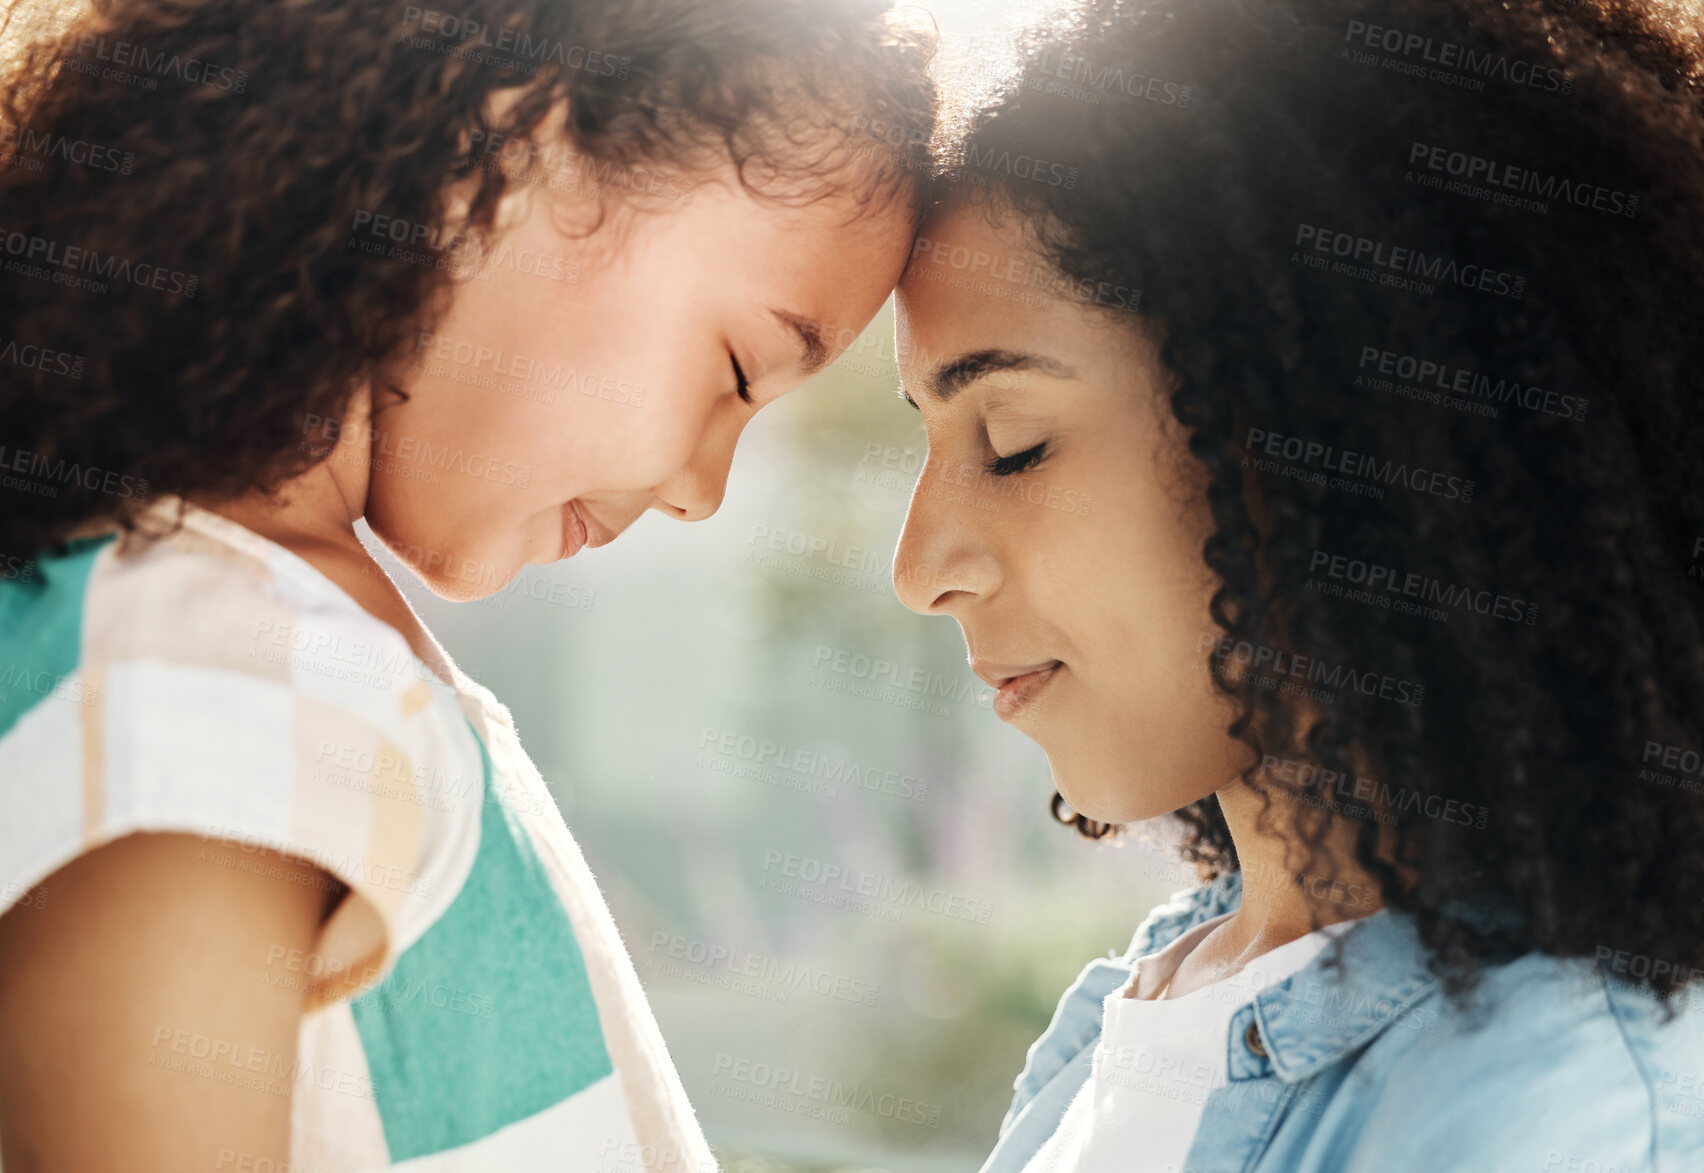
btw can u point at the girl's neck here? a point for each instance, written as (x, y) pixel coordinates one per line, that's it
(314, 515)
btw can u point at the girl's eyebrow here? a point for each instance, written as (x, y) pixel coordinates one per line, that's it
(813, 355)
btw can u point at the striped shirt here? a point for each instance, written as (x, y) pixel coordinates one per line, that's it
(471, 1006)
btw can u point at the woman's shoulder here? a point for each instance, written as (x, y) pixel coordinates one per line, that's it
(1550, 1059)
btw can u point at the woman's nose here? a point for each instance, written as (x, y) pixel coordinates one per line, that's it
(943, 558)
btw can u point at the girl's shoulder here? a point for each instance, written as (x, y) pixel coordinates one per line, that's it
(207, 681)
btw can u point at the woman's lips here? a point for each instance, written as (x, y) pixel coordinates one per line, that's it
(1018, 685)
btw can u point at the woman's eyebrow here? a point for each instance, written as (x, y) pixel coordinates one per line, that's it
(953, 376)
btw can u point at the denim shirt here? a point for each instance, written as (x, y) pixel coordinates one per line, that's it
(1553, 1067)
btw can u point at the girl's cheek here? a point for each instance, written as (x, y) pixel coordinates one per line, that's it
(643, 451)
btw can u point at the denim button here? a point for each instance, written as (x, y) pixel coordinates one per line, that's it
(1251, 1036)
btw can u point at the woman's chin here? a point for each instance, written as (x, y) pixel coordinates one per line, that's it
(1127, 802)
(1094, 803)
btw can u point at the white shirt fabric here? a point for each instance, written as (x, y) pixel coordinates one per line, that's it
(1157, 1061)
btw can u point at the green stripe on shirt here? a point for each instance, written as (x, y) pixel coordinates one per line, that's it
(41, 628)
(489, 1017)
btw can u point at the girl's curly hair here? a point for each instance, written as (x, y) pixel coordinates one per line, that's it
(1428, 275)
(185, 186)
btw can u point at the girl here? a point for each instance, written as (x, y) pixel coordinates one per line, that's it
(1369, 336)
(281, 887)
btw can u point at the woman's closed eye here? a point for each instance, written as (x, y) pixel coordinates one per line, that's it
(1005, 466)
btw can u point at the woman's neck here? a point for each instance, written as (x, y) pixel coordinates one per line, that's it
(1284, 896)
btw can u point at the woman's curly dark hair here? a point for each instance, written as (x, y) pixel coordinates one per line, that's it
(182, 183)
(1458, 236)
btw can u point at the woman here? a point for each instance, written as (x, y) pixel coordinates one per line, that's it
(1313, 393)
(282, 890)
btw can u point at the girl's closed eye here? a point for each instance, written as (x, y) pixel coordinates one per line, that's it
(742, 385)
(1005, 466)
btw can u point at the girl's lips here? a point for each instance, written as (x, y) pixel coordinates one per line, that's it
(581, 529)
(573, 530)
(1017, 692)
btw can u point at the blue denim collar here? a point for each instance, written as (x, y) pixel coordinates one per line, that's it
(1323, 1011)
